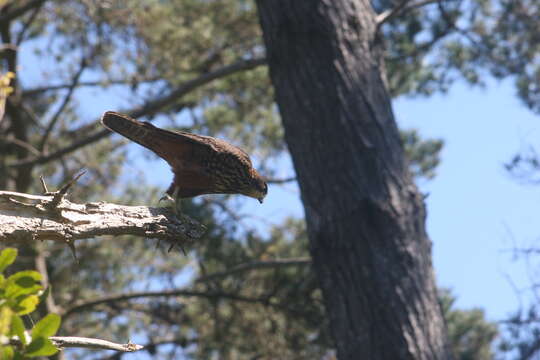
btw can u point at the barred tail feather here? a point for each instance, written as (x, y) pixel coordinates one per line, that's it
(139, 132)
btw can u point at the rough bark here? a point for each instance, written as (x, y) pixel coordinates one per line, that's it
(25, 217)
(365, 217)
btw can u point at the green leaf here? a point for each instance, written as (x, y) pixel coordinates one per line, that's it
(17, 328)
(7, 352)
(48, 326)
(26, 304)
(5, 320)
(7, 257)
(23, 283)
(40, 346)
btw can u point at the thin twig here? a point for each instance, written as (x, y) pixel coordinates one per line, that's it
(182, 342)
(28, 23)
(43, 184)
(58, 196)
(269, 264)
(403, 7)
(39, 90)
(91, 343)
(280, 181)
(85, 305)
(22, 144)
(63, 105)
(390, 13)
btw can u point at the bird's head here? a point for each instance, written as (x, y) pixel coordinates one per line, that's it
(258, 188)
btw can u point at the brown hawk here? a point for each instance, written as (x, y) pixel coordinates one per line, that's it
(201, 164)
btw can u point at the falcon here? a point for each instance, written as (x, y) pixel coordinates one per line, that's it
(200, 164)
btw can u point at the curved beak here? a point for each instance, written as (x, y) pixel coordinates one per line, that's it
(260, 200)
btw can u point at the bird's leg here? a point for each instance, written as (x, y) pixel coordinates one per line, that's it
(177, 201)
(174, 199)
(176, 207)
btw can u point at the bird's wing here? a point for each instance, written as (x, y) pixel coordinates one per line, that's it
(173, 147)
(185, 153)
(224, 147)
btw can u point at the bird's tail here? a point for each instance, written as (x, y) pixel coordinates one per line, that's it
(139, 132)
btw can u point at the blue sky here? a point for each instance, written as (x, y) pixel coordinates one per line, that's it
(477, 213)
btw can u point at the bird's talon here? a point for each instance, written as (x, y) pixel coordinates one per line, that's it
(166, 197)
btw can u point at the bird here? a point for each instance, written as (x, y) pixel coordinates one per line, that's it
(200, 164)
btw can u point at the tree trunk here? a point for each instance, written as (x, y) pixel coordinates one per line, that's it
(365, 217)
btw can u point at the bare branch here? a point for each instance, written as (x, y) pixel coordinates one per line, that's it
(280, 181)
(183, 342)
(256, 265)
(15, 13)
(62, 107)
(26, 217)
(28, 23)
(21, 144)
(85, 305)
(149, 108)
(62, 152)
(403, 7)
(153, 106)
(390, 13)
(90, 343)
(42, 89)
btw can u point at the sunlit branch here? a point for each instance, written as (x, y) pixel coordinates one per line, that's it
(91, 343)
(154, 344)
(403, 7)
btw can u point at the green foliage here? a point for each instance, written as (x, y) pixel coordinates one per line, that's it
(471, 336)
(430, 47)
(423, 155)
(19, 295)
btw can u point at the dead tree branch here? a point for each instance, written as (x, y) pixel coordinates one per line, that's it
(26, 217)
(90, 343)
(62, 342)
